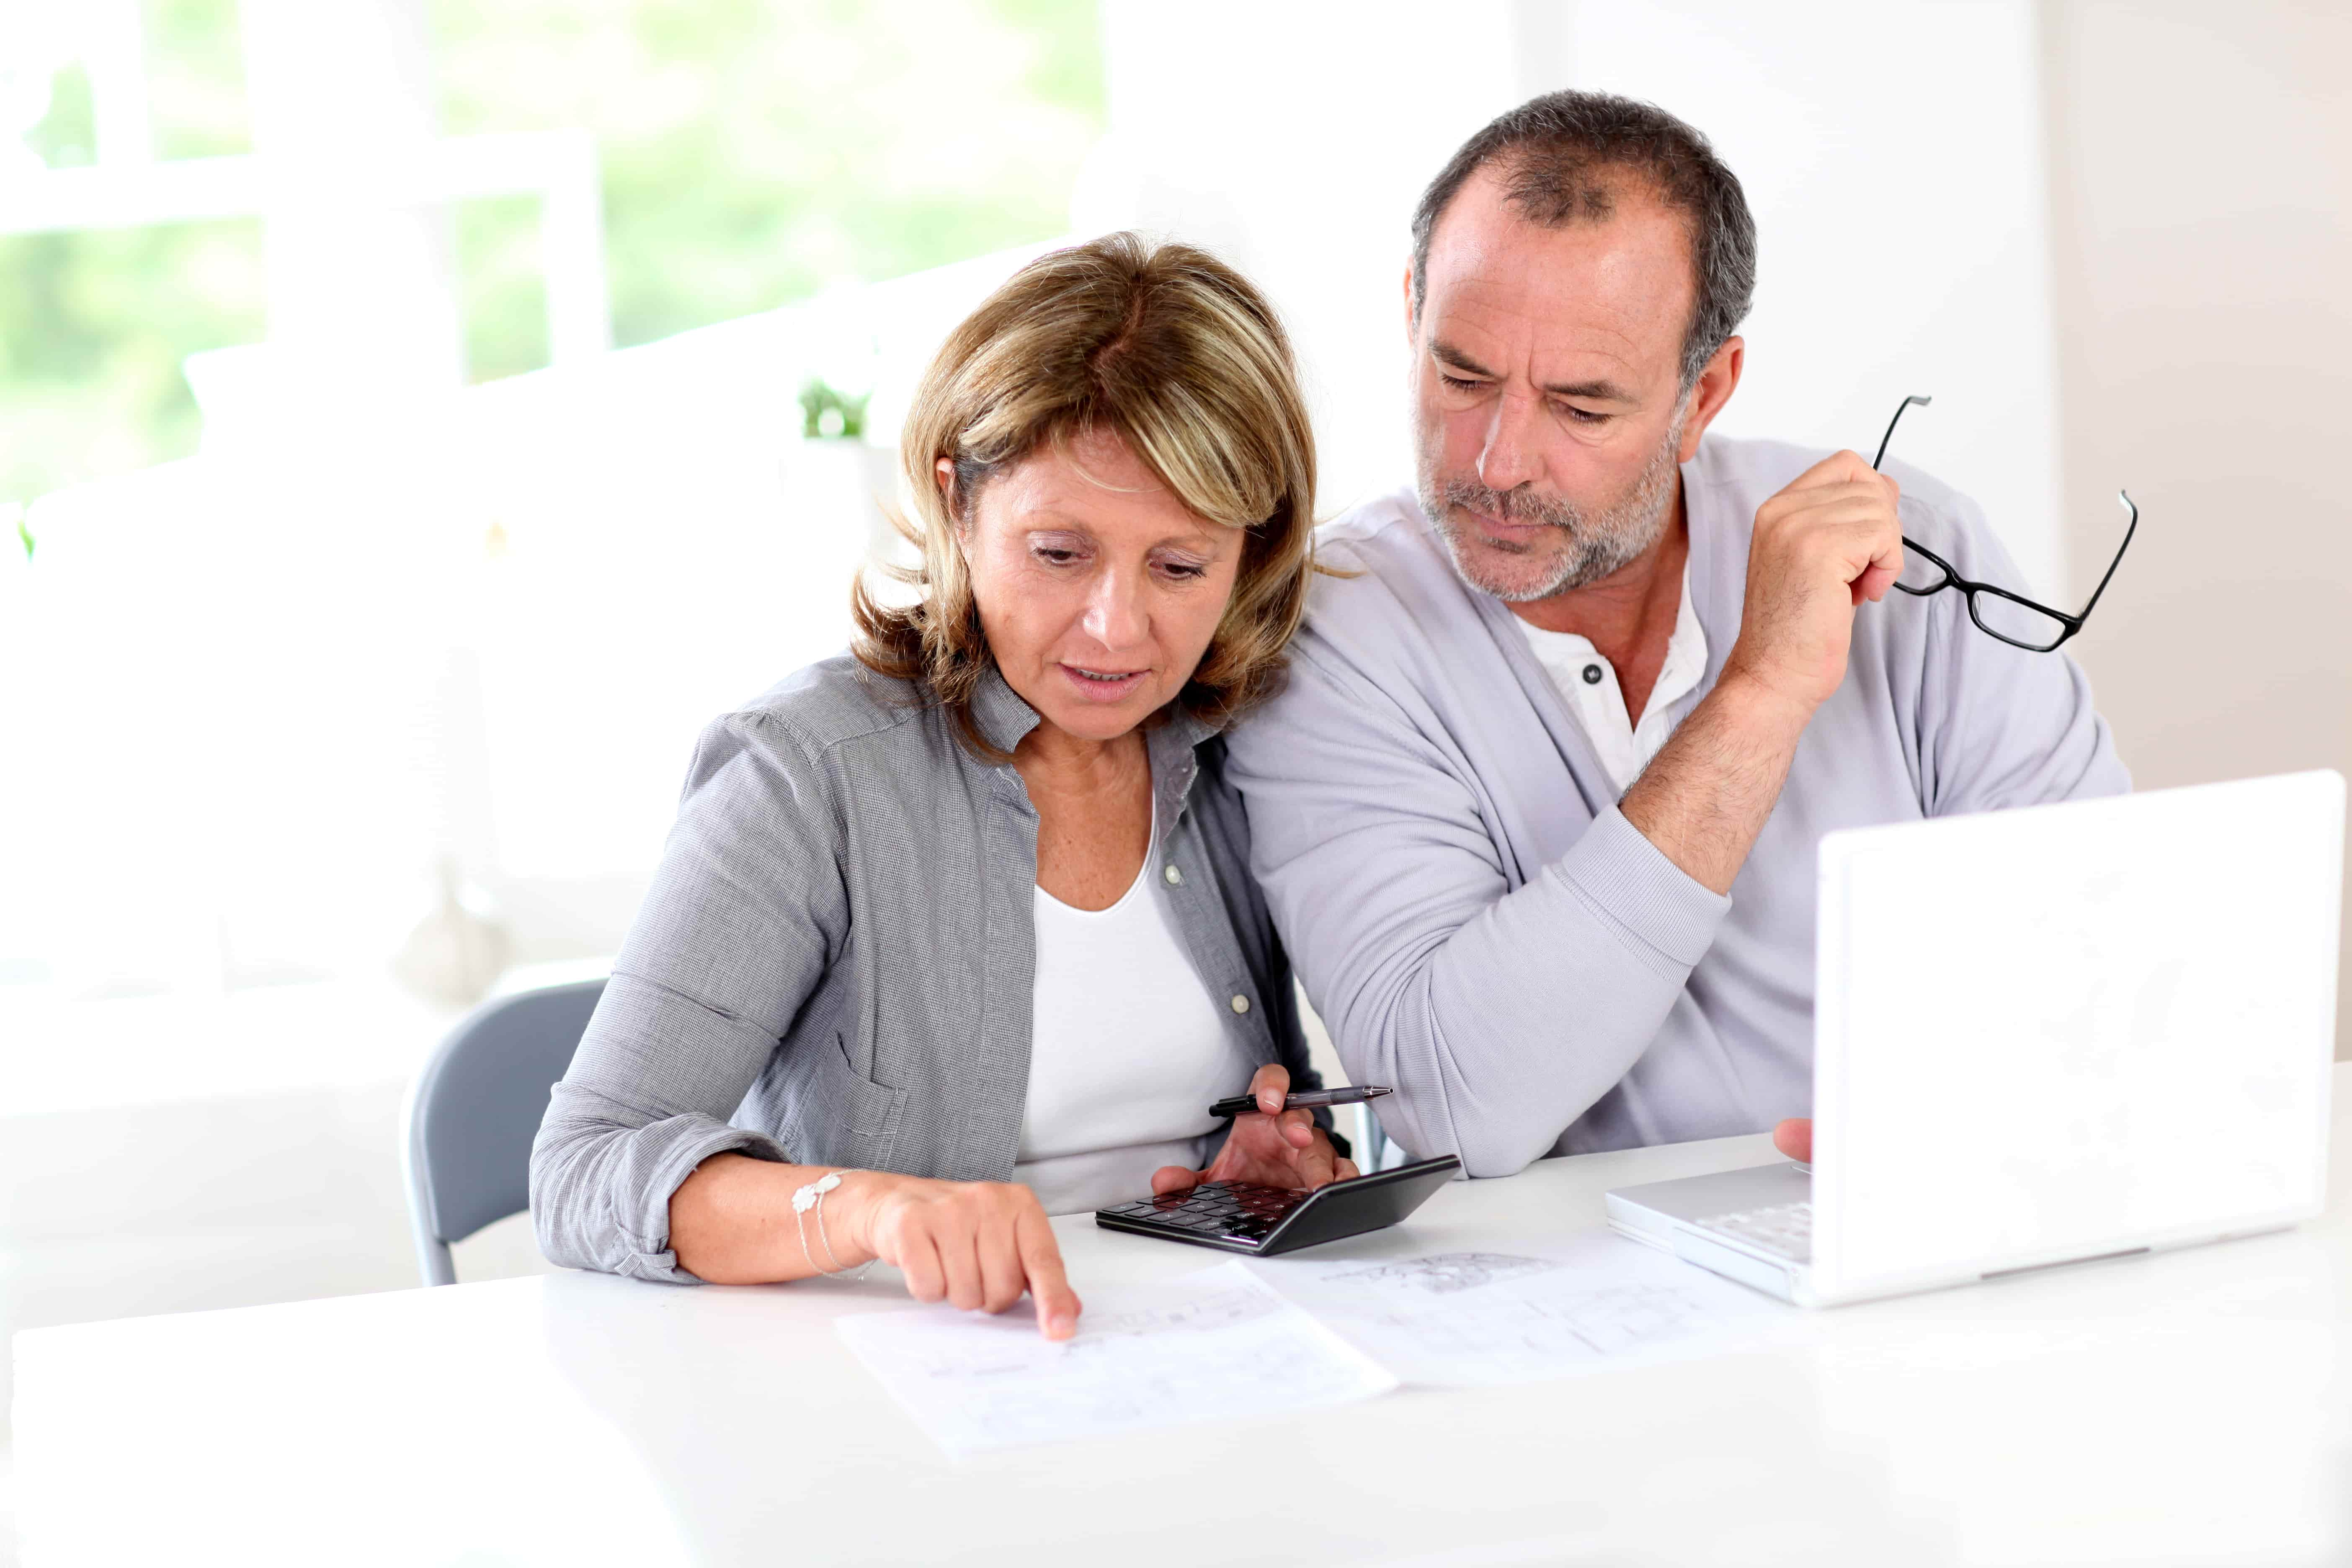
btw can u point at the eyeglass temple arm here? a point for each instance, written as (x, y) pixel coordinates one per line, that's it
(2129, 529)
(1891, 423)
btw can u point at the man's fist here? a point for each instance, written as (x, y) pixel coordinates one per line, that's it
(1821, 546)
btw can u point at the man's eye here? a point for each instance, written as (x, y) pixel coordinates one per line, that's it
(1458, 385)
(1584, 415)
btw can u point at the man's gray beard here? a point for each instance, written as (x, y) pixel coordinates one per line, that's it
(1600, 544)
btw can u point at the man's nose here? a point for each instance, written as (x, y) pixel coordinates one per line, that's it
(1509, 457)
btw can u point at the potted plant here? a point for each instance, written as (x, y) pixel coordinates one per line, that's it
(840, 479)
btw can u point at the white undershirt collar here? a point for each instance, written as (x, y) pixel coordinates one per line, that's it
(1588, 683)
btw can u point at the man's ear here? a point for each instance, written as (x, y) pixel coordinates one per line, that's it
(1715, 384)
(1412, 316)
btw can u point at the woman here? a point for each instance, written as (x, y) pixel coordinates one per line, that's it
(959, 928)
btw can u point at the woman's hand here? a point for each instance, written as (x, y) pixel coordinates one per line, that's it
(1271, 1147)
(978, 1245)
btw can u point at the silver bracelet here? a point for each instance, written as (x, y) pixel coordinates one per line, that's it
(813, 1197)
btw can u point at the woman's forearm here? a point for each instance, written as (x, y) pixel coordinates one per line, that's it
(977, 1245)
(731, 1223)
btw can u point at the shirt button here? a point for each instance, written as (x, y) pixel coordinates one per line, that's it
(1175, 877)
(1591, 674)
(1240, 1003)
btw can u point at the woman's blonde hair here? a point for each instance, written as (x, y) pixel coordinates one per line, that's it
(1175, 353)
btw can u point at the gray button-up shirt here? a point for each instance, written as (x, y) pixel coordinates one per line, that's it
(837, 952)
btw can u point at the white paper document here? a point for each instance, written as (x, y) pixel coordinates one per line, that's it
(1587, 1303)
(1211, 1346)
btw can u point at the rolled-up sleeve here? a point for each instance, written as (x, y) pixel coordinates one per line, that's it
(1499, 1014)
(745, 914)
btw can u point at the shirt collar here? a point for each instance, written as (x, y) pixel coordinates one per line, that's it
(1004, 719)
(1685, 650)
(1685, 645)
(998, 712)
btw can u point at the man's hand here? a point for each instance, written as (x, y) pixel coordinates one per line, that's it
(1821, 547)
(1794, 1138)
(1272, 1148)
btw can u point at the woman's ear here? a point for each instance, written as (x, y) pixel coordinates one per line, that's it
(943, 471)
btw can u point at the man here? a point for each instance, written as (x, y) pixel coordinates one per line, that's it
(1537, 809)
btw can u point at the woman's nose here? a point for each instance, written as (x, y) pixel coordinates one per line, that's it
(1115, 614)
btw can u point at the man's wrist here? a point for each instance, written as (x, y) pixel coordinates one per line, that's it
(1755, 707)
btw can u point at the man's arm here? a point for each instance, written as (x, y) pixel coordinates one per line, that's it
(1498, 1013)
(1822, 546)
(1704, 799)
(1501, 1014)
(1995, 726)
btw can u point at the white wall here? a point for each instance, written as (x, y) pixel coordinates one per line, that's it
(1293, 140)
(362, 296)
(1892, 154)
(1901, 211)
(2202, 177)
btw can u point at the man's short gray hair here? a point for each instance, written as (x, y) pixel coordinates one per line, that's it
(1565, 156)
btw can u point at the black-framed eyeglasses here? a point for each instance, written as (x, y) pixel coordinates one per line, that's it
(2012, 617)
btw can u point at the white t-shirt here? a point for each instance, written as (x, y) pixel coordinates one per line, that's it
(1127, 1051)
(1590, 683)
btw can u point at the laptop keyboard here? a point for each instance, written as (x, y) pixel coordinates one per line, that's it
(1235, 1210)
(1784, 1230)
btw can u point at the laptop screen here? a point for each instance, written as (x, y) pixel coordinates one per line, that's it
(2114, 1017)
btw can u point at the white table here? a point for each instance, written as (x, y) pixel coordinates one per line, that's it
(2195, 1407)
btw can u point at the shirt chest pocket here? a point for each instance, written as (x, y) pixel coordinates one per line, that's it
(838, 1116)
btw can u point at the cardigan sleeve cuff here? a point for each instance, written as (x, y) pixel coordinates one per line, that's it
(1629, 880)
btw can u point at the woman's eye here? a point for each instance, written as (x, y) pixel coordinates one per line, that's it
(1183, 569)
(1054, 556)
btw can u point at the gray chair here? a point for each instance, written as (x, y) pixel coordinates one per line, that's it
(473, 1110)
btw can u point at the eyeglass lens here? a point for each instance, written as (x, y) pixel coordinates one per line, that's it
(2015, 621)
(2011, 618)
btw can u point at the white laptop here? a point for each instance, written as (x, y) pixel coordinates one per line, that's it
(2047, 1036)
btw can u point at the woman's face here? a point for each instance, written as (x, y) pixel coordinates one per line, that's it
(1097, 589)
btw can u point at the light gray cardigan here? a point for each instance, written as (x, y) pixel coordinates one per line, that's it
(1481, 928)
(838, 951)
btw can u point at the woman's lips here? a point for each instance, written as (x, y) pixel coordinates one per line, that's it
(1094, 691)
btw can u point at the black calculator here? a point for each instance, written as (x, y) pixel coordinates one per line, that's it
(1238, 1216)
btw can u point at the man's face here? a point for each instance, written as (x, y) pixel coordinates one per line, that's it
(1549, 415)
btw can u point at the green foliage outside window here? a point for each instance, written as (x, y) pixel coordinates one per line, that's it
(754, 151)
(827, 414)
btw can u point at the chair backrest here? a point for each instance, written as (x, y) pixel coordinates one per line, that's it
(476, 1108)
